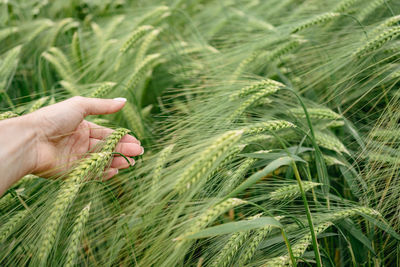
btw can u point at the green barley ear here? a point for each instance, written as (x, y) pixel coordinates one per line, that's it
(70, 87)
(38, 104)
(254, 98)
(141, 70)
(60, 62)
(230, 184)
(144, 47)
(370, 8)
(344, 5)
(273, 125)
(349, 212)
(113, 139)
(253, 242)
(320, 19)
(291, 191)
(330, 142)
(298, 249)
(158, 12)
(92, 166)
(210, 215)
(232, 247)
(161, 161)
(4, 33)
(392, 21)
(282, 49)
(135, 36)
(8, 65)
(378, 41)
(134, 119)
(244, 63)
(103, 90)
(316, 113)
(206, 160)
(267, 84)
(7, 115)
(76, 49)
(76, 234)
(6, 201)
(7, 228)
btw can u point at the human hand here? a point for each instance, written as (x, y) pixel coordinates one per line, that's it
(52, 138)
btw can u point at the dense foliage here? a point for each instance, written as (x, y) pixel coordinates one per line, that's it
(270, 129)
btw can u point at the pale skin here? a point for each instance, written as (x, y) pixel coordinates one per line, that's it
(47, 141)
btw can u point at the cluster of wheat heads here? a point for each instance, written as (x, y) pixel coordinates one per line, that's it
(270, 130)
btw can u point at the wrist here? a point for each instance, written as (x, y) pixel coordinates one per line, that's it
(18, 142)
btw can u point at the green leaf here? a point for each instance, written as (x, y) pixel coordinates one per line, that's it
(272, 166)
(233, 227)
(382, 225)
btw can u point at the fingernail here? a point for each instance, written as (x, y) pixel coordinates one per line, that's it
(116, 172)
(120, 99)
(142, 151)
(132, 161)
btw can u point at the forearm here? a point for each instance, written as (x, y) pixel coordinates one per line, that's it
(17, 143)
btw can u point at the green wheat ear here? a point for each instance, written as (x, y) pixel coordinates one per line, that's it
(344, 5)
(331, 142)
(291, 191)
(268, 126)
(76, 234)
(206, 160)
(161, 161)
(210, 215)
(267, 84)
(320, 19)
(38, 104)
(7, 115)
(316, 113)
(135, 36)
(134, 120)
(103, 90)
(7, 228)
(298, 249)
(378, 41)
(232, 247)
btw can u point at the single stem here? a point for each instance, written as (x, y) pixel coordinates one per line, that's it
(309, 218)
(8, 99)
(289, 248)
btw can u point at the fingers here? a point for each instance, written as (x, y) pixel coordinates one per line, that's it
(100, 132)
(128, 149)
(110, 173)
(121, 163)
(97, 106)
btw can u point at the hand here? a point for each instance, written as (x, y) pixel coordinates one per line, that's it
(50, 139)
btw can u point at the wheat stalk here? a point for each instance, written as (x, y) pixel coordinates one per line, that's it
(206, 160)
(75, 237)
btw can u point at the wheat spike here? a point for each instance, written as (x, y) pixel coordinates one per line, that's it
(298, 249)
(92, 166)
(237, 175)
(38, 104)
(254, 241)
(75, 237)
(231, 248)
(6, 201)
(320, 19)
(344, 5)
(267, 84)
(349, 212)
(251, 100)
(7, 228)
(206, 160)
(330, 142)
(141, 70)
(4, 33)
(113, 139)
(144, 47)
(60, 62)
(378, 41)
(7, 115)
(76, 49)
(8, 64)
(281, 50)
(272, 125)
(291, 191)
(134, 119)
(71, 88)
(316, 113)
(244, 63)
(387, 23)
(135, 36)
(103, 90)
(370, 8)
(161, 161)
(210, 215)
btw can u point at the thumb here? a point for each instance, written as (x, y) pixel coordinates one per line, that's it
(97, 106)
